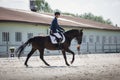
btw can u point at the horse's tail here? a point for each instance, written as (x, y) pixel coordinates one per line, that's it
(22, 47)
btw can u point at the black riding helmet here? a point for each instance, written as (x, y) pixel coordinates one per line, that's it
(57, 13)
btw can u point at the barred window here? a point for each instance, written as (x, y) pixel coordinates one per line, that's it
(98, 39)
(84, 39)
(18, 36)
(115, 39)
(30, 35)
(104, 40)
(91, 39)
(5, 36)
(110, 39)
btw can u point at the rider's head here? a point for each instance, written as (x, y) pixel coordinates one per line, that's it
(57, 14)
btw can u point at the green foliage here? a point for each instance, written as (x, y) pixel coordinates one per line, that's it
(42, 5)
(69, 14)
(90, 16)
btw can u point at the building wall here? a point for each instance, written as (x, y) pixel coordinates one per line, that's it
(89, 43)
(107, 40)
(12, 28)
(21, 27)
(106, 33)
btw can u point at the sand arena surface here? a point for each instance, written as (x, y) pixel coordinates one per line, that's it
(85, 67)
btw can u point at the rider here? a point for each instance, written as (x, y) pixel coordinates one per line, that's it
(55, 28)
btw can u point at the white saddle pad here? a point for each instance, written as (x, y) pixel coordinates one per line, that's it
(53, 39)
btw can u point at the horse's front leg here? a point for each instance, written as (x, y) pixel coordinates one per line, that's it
(68, 50)
(64, 55)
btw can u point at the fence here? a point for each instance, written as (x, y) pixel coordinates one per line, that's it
(85, 48)
(4, 49)
(100, 48)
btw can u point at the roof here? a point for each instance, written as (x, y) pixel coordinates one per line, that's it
(15, 15)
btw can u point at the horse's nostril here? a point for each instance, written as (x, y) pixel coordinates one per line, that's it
(78, 47)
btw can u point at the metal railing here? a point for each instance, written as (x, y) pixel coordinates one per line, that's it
(100, 48)
(85, 48)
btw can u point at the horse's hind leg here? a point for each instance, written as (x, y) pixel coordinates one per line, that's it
(42, 56)
(28, 56)
(64, 55)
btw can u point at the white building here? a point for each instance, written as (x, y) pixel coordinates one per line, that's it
(16, 26)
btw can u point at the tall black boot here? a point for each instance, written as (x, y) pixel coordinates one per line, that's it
(59, 43)
(59, 46)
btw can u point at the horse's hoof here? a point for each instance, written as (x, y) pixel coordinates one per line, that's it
(47, 64)
(67, 64)
(71, 62)
(26, 65)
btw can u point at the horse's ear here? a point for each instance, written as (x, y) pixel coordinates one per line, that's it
(82, 29)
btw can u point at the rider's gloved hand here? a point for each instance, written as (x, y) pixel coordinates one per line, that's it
(51, 32)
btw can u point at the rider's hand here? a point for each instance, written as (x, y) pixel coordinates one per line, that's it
(51, 32)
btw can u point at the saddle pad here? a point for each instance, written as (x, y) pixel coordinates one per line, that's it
(53, 39)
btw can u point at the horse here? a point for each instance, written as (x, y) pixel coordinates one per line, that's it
(41, 42)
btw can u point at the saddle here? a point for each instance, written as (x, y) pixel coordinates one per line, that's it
(59, 36)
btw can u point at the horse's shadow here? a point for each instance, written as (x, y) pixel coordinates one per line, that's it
(52, 67)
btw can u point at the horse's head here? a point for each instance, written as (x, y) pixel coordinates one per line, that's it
(79, 39)
(75, 33)
(79, 36)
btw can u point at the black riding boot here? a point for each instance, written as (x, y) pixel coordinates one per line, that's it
(59, 43)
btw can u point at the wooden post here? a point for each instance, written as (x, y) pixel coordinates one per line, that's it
(109, 47)
(87, 47)
(7, 47)
(103, 46)
(116, 46)
(95, 47)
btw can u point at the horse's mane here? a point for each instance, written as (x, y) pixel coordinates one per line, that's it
(71, 31)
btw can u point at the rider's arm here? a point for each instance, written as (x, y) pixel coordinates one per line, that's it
(52, 27)
(61, 29)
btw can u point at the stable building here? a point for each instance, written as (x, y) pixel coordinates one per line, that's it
(17, 26)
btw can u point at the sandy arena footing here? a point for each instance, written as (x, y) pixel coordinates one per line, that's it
(85, 67)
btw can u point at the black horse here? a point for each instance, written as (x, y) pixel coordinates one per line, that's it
(42, 42)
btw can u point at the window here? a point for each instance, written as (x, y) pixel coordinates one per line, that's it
(110, 39)
(48, 31)
(119, 38)
(30, 35)
(91, 38)
(18, 36)
(5, 36)
(97, 39)
(104, 39)
(84, 39)
(115, 39)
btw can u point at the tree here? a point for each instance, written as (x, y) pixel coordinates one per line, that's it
(47, 8)
(108, 21)
(43, 6)
(100, 19)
